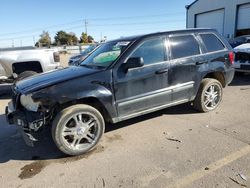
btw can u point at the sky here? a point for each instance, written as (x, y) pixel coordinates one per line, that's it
(22, 21)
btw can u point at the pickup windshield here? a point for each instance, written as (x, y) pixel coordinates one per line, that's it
(106, 54)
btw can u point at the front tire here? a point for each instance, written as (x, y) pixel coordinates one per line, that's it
(209, 95)
(77, 129)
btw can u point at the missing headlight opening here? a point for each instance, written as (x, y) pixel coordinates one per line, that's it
(28, 103)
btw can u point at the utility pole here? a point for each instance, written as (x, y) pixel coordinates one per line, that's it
(13, 43)
(86, 27)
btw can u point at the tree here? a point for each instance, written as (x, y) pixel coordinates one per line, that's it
(90, 39)
(72, 38)
(61, 38)
(44, 40)
(84, 38)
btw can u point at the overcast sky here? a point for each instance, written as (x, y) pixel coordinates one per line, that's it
(22, 21)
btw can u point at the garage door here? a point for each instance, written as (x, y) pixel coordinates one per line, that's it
(213, 19)
(243, 21)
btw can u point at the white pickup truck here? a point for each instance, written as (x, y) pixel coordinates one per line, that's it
(13, 63)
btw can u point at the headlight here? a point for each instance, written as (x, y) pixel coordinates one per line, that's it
(28, 103)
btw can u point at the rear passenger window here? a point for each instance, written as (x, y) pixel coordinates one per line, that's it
(184, 46)
(152, 51)
(212, 43)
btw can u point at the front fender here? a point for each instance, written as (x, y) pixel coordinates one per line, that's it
(78, 89)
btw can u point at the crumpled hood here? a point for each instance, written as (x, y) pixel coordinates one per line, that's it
(47, 79)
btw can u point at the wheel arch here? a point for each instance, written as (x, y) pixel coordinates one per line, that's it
(19, 67)
(218, 75)
(91, 101)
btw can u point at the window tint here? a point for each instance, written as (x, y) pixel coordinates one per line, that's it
(211, 42)
(152, 51)
(184, 46)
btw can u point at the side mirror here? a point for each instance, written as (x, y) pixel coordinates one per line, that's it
(133, 62)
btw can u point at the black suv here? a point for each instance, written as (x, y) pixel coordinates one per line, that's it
(120, 80)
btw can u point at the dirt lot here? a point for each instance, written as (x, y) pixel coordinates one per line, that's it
(64, 59)
(175, 147)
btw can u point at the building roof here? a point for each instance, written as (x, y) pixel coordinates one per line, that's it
(188, 6)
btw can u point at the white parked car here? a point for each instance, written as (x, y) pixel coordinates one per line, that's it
(242, 58)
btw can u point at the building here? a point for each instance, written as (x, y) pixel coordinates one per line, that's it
(230, 17)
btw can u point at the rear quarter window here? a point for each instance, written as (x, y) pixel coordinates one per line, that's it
(183, 46)
(212, 43)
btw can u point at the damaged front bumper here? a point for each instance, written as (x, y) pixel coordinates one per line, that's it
(30, 122)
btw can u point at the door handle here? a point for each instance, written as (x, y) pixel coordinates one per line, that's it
(161, 71)
(200, 62)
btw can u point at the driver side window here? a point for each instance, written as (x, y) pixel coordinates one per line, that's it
(152, 51)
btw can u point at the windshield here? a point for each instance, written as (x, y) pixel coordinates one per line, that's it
(106, 54)
(89, 49)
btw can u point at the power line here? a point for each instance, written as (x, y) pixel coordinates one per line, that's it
(133, 17)
(41, 29)
(96, 25)
(137, 23)
(92, 19)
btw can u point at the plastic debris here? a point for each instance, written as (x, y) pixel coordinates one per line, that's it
(243, 89)
(174, 140)
(243, 177)
(235, 181)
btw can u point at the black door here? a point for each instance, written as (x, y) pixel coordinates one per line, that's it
(186, 61)
(144, 88)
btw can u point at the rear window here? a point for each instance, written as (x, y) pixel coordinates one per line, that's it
(212, 43)
(183, 46)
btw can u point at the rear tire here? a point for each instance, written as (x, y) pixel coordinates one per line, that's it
(209, 95)
(77, 129)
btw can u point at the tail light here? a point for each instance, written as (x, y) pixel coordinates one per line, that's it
(231, 57)
(56, 57)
